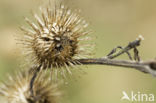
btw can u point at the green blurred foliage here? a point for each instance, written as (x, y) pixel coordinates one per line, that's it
(114, 22)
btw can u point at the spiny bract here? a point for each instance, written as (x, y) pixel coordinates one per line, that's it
(17, 89)
(57, 41)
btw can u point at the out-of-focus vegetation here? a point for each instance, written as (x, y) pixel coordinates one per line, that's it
(114, 22)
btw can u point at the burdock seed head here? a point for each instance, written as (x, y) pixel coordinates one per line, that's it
(17, 90)
(56, 40)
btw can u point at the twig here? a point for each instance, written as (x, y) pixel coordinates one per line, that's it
(131, 45)
(146, 67)
(115, 49)
(37, 69)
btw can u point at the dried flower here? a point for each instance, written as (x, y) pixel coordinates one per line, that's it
(57, 40)
(17, 90)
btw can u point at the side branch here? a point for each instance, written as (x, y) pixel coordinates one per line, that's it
(146, 67)
(131, 45)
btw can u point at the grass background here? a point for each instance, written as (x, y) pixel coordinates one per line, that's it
(114, 22)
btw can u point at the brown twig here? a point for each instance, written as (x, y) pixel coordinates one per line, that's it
(131, 45)
(146, 67)
(37, 69)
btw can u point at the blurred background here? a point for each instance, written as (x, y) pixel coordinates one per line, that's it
(114, 22)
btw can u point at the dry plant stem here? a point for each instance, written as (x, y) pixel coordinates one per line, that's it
(146, 67)
(130, 46)
(33, 78)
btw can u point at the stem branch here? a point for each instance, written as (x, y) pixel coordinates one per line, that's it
(37, 69)
(146, 67)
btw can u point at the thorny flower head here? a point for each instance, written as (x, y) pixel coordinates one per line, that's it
(17, 90)
(57, 39)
